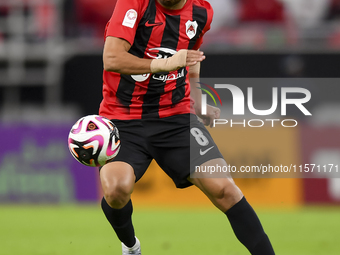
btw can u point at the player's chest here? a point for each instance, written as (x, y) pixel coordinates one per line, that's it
(173, 31)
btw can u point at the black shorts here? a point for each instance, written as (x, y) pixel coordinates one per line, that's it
(177, 143)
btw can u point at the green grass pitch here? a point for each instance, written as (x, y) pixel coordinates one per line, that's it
(71, 230)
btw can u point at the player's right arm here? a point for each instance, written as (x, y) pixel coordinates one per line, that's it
(116, 58)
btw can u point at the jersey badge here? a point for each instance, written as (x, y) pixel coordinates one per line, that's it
(130, 18)
(191, 28)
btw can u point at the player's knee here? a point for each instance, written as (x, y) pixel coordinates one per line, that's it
(226, 195)
(117, 180)
(117, 197)
(222, 192)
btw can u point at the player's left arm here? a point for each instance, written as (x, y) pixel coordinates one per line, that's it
(196, 94)
(194, 75)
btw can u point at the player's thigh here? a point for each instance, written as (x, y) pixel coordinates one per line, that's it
(133, 153)
(176, 164)
(179, 144)
(208, 169)
(202, 146)
(170, 147)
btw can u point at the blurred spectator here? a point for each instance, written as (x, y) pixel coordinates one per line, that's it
(306, 13)
(44, 18)
(3, 13)
(334, 12)
(261, 10)
(37, 18)
(334, 17)
(93, 15)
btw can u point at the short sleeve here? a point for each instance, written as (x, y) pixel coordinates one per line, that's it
(210, 14)
(124, 20)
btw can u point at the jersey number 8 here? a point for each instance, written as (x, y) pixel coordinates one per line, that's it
(201, 139)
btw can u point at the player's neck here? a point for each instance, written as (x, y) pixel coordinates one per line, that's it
(177, 6)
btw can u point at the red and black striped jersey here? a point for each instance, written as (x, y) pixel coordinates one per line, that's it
(154, 32)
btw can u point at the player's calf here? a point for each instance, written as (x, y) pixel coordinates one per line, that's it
(248, 229)
(117, 179)
(226, 196)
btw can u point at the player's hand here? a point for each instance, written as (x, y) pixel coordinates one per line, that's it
(212, 113)
(181, 59)
(194, 56)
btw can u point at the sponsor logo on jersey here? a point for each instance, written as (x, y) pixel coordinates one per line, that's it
(158, 53)
(191, 28)
(149, 24)
(140, 77)
(130, 18)
(169, 77)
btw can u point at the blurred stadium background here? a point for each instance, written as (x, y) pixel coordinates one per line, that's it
(51, 74)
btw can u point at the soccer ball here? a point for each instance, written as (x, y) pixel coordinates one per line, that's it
(94, 140)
